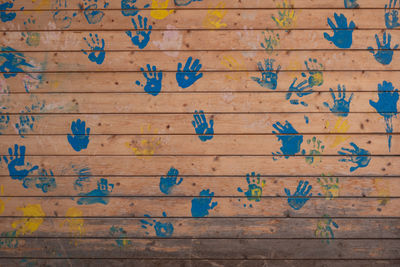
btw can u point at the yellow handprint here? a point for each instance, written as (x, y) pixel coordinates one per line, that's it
(145, 147)
(159, 9)
(31, 223)
(287, 17)
(76, 225)
(341, 127)
(235, 65)
(214, 17)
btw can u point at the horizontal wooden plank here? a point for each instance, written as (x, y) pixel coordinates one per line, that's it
(207, 248)
(212, 228)
(240, 145)
(195, 19)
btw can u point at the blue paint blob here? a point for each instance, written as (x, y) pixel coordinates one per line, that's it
(300, 197)
(166, 184)
(201, 205)
(190, 74)
(13, 62)
(80, 135)
(306, 119)
(342, 34)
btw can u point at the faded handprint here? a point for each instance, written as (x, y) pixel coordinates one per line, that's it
(45, 181)
(341, 106)
(300, 197)
(315, 152)
(255, 187)
(290, 138)
(172, 40)
(61, 17)
(214, 17)
(202, 204)
(121, 234)
(159, 9)
(153, 80)
(341, 127)
(384, 54)
(392, 15)
(351, 4)
(271, 41)
(329, 186)
(234, 65)
(146, 146)
(18, 160)
(74, 222)
(185, 2)
(324, 229)
(315, 73)
(97, 53)
(286, 16)
(189, 75)
(342, 34)
(301, 89)
(91, 12)
(169, 182)
(98, 195)
(25, 124)
(4, 120)
(201, 126)
(142, 36)
(358, 156)
(80, 135)
(161, 229)
(128, 8)
(31, 38)
(269, 76)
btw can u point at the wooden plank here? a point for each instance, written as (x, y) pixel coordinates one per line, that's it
(241, 145)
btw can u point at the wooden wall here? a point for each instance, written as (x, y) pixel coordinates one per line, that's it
(199, 133)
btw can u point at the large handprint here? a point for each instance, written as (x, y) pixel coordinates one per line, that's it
(290, 138)
(80, 138)
(18, 160)
(392, 15)
(202, 204)
(343, 33)
(341, 106)
(142, 37)
(153, 80)
(384, 53)
(358, 156)
(300, 197)
(189, 75)
(201, 126)
(269, 76)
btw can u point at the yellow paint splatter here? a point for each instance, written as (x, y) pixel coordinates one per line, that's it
(286, 17)
(159, 9)
(214, 17)
(75, 224)
(383, 191)
(31, 223)
(341, 126)
(146, 146)
(2, 202)
(233, 64)
(42, 4)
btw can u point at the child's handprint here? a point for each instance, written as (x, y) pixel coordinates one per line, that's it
(161, 229)
(351, 4)
(159, 9)
(189, 75)
(358, 156)
(61, 17)
(343, 33)
(98, 54)
(166, 184)
(128, 8)
(315, 152)
(31, 38)
(25, 124)
(214, 17)
(80, 138)
(341, 106)
(330, 186)
(201, 126)
(286, 16)
(202, 204)
(45, 181)
(91, 12)
(269, 76)
(300, 197)
(314, 68)
(299, 90)
(142, 36)
(255, 187)
(384, 53)
(324, 230)
(290, 138)
(271, 41)
(18, 160)
(153, 80)
(392, 15)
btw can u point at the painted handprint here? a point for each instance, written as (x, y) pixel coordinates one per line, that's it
(7, 15)
(142, 33)
(290, 138)
(324, 229)
(98, 195)
(92, 14)
(159, 9)
(169, 182)
(17, 167)
(31, 38)
(341, 106)
(189, 75)
(97, 53)
(271, 41)
(128, 8)
(315, 74)
(269, 76)
(214, 16)
(301, 89)
(161, 229)
(314, 154)
(286, 16)
(202, 204)
(185, 2)
(203, 131)
(392, 15)
(342, 34)
(80, 135)
(255, 187)
(121, 235)
(62, 17)
(356, 155)
(45, 181)
(329, 186)
(13, 62)
(384, 53)
(153, 80)
(386, 106)
(4, 120)
(25, 124)
(300, 197)
(351, 4)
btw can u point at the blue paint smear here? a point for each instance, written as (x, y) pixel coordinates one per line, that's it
(190, 74)
(203, 131)
(351, 4)
(166, 184)
(153, 80)
(98, 195)
(17, 159)
(98, 54)
(142, 33)
(384, 53)
(291, 144)
(341, 106)
(91, 12)
(269, 78)
(201, 205)
(306, 119)
(392, 15)
(343, 33)
(356, 155)
(80, 138)
(302, 191)
(84, 175)
(13, 62)
(387, 105)
(185, 2)
(161, 229)
(254, 191)
(43, 181)
(4, 15)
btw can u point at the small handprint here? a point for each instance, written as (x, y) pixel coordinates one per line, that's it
(80, 135)
(255, 187)
(302, 89)
(392, 15)
(161, 229)
(290, 138)
(62, 17)
(142, 36)
(342, 34)
(128, 8)
(166, 184)
(4, 120)
(330, 186)
(45, 181)
(97, 53)
(315, 152)
(18, 160)
(351, 4)
(153, 80)
(4, 15)
(214, 17)
(286, 16)
(315, 73)
(159, 9)
(202, 204)
(324, 229)
(341, 106)
(300, 197)
(384, 53)
(269, 76)
(91, 12)
(25, 124)
(271, 41)
(201, 126)
(190, 74)
(356, 155)
(31, 38)
(120, 233)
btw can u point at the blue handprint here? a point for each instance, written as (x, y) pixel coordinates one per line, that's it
(26, 123)
(12, 63)
(18, 160)
(45, 181)
(384, 53)
(143, 32)
(392, 15)
(153, 80)
(189, 75)
(387, 105)
(255, 188)
(290, 138)
(80, 138)
(4, 15)
(98, 54)
(358, 156)
(128, 8)
(201, 126)
(91, 12)
(62, 17)
(299, 90)
(166, 184)
(300, 197)
(161, 229)
(342, 34)
(4, 120)
(351, 4)
(98, 195)
(185, 2)
(269, 76)
(341, 106)
(201, 205)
